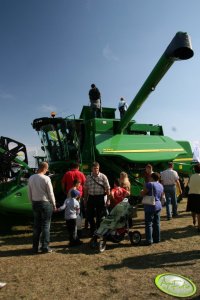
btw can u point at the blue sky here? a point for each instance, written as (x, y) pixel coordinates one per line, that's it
(51, 51)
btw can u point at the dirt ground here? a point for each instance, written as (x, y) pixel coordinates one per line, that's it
(121, 272)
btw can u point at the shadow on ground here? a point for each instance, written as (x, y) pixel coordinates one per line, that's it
(158, 260)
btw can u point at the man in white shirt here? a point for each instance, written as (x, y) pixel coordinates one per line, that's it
(43, 202)
(122, 106)
(170, 179)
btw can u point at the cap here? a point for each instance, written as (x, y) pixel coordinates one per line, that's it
(75, 193)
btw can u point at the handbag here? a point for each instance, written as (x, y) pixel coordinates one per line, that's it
(149, 200)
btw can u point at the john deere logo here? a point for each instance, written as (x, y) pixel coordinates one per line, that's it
(175, 285)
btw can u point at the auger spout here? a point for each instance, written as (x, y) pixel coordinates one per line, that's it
(180, 48)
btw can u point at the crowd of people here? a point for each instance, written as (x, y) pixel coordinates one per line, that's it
(93, 198)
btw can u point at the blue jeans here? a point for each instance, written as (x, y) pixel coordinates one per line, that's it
(42, 212)
(152, 226)
(171, 199)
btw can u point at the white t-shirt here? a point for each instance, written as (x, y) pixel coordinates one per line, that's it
(122, 103)
(72, 208)
(40, 189)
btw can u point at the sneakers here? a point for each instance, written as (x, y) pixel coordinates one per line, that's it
(175, 215)
(147, 243)
(2, 284)
(35, 251)
(47, 250)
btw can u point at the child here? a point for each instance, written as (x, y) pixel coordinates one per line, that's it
(124, 181)
(76, 186)
(72, 209)
(118, 193)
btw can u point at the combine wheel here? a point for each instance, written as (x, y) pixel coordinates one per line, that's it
(135, 237)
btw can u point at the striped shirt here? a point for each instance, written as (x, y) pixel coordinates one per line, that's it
(96, 185)
(169, 177)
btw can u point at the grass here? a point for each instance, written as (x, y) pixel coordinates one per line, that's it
(121, 272)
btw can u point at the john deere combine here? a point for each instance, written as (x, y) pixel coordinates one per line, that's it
(118, 145)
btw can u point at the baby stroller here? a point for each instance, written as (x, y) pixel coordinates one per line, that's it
(115, 227)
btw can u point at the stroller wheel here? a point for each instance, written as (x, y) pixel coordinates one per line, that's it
(93, 242)
(135, 237)
(102, 245)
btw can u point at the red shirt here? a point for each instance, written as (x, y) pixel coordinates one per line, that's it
(118, 194)
(70, 176)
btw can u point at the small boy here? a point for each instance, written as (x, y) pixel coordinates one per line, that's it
(76, 186)
(72, 209)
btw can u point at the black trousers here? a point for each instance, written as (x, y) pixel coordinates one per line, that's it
(95, 208)
(72, 230)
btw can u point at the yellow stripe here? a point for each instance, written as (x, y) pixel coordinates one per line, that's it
(142, 150)
(183, 159)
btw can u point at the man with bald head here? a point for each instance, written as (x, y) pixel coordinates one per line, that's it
(43, 202)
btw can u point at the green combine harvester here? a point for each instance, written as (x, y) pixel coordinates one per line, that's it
(118, 145)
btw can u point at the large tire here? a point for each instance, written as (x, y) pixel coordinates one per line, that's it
(135, 237)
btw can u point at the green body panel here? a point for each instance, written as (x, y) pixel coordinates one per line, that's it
(118, 145)
(16, 202)
(137, 149)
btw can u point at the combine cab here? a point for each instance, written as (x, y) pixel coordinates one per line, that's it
(118, 145)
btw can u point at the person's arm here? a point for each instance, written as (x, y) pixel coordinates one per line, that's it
(63, 185)
(179, 186)
(77, 208)
(51, 193)
(126, 192)
(98, 93)
(62, 207)
(29, 193)
(145, 190)
(107, 191)
(106, 184)
(85, 195)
